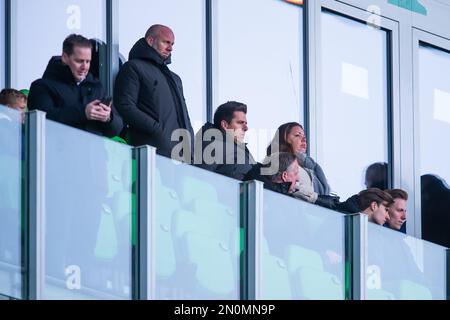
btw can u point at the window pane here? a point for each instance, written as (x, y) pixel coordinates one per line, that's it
(52, 21)
(302, 250)
(352, 122)
(88, 213)
(400, 267)
(259, 62)
(197, 235)
(10, 202)
(186, 19)
(2, 44)
(434, 117)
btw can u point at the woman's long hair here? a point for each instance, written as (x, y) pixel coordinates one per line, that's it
(279, 142)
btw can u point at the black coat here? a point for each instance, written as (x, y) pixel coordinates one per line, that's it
(255, 174)
(235, 168)
(64, 101)
(435, 209)
(351, 205)
(150, 99)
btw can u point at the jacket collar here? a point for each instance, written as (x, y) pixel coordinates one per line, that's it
(141, 50)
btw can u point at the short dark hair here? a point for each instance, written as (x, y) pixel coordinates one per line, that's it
(226, 111)
(280, 139)
(397, 194)
(75, 40)
(285, 160)
(377, 175)
(366, 197)
(8, 96)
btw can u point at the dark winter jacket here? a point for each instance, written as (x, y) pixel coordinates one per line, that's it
(150, 99)
(240, 160)
(64, 101)
(255, 174)
(319, 180)
(351, 205)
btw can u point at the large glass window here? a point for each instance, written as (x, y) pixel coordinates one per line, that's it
(434, 119)
(302, 250)
(88, 215)
(401, 267)
(2, 44)
(40, 27)
(186, 19)
(197, 237)
(11, 159)
(258, 61)
(352, 123)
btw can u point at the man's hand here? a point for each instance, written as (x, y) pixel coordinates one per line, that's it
(98, 111)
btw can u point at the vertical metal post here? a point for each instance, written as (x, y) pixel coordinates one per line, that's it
(308, 45)
(146, 216)
(356, 256)
(447, 285)
(253, 225)
(35, 205)
(8, 43)
(209, 60)
(312, 70)
(112, 44)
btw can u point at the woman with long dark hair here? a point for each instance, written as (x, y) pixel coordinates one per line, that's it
(290, 137)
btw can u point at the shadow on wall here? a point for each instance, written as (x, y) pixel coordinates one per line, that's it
(435, 209)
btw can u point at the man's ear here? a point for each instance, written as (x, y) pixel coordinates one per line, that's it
(373, 206)
(224, 125)
(150, 41)
(284, 176)
(64, 58)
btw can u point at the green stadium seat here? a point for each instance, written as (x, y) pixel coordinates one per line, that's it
(409, 290)
(275, 283)
(379, 294)
(311, 281)
(213, 261)
(316, 284)
(166, 204)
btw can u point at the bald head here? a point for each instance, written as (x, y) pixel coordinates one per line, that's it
(160, 38)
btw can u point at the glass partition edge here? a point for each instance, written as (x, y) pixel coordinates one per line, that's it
(356, 256)
(146, 158)
(448, 274)
(253, 205)
(35, 239)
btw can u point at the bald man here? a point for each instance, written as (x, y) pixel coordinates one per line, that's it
(149, 96)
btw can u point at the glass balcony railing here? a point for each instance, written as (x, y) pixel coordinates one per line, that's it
(88, 216)
(401, 267)
(11, 223)
(209, 237)
(197, 233)
(303, 250)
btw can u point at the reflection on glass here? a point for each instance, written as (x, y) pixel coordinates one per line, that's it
(401, 267)
(197, 233)
(434, 117)
(302, 250)
(85, 17)
(10, 202)
(186, 19)
(88, 216)
(260, 63)
(2, 44)
(352, 123)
